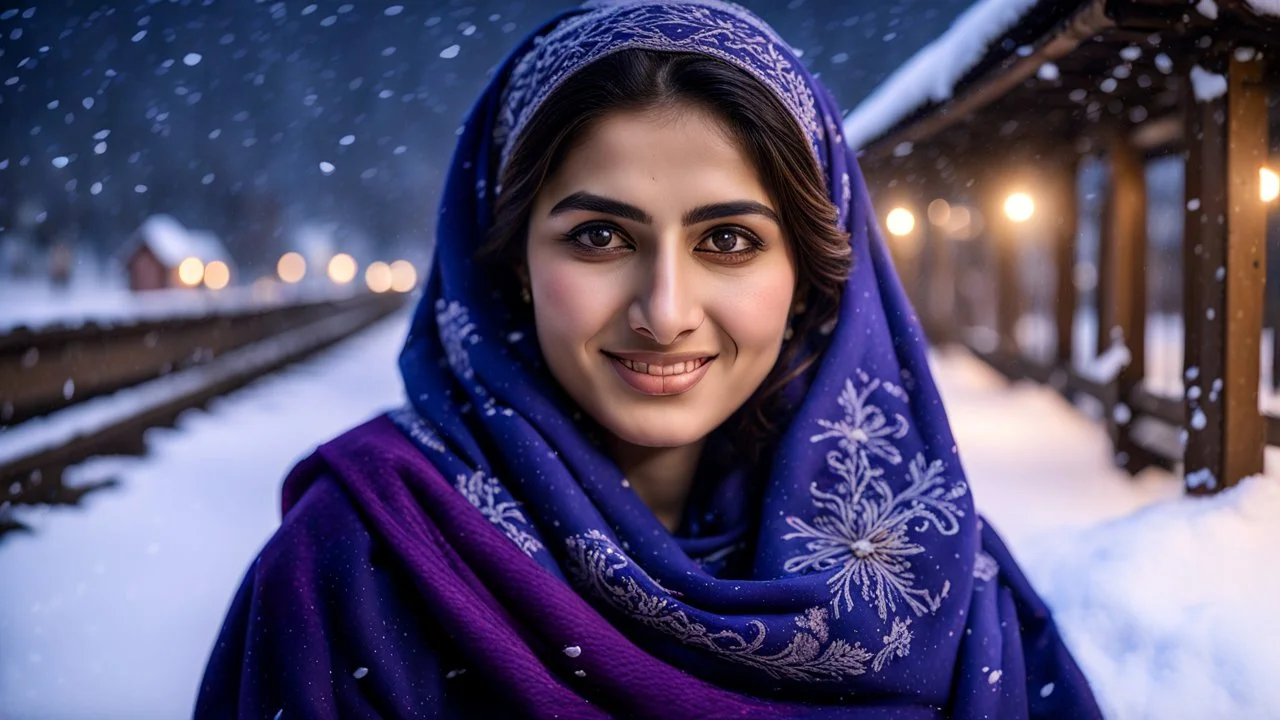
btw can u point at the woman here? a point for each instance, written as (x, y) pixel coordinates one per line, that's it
(672, 447)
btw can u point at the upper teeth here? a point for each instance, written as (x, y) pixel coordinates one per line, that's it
(676, 369)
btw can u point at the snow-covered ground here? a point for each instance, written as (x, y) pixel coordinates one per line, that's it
(1164, 599)
(110, 611)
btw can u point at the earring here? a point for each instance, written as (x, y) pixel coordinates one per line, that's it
(526, 295)
(789, 332)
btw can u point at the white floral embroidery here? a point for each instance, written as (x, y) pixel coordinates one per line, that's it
(812, 655)
(896, 644)
(408, 420)
(719, 29)
(863, 529)
(483, 492)
(864, 430)
(457, 333)
(985, 567)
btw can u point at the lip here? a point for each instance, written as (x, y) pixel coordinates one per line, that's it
(673, 382)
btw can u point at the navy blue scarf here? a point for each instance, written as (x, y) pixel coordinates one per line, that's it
(859, 571)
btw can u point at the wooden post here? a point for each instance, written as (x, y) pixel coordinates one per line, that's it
(1227, 138)
(1124, 245)
(1065, 234)
(1003, 239)
(1103, 294)
(941, 297)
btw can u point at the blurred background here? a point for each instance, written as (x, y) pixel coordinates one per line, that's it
(215, 218)
(288, 126)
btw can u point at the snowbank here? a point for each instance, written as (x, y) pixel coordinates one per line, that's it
(1164, 599)
(110, 610)
(1172, 612)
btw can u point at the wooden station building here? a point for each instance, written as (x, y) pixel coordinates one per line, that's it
(1115, 85)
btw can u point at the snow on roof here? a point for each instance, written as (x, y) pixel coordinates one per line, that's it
(932, 73)
(1264, 7)
(172, 242)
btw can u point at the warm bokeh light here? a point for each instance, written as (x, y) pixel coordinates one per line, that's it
(900, 221)
(191, 271)
(960, 222)
(1019, 207)
(403, 276)
(217, 275)
(1270, 188)
(342, 268)
(939, 212)
(292, 267)
(378, 277)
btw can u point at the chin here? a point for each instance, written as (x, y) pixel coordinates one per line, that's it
(655, 433)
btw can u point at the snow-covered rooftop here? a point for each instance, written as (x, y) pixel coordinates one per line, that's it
(172, 242)
(1264, 7)
(932, 73)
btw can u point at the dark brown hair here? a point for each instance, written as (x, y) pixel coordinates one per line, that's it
(637, 80)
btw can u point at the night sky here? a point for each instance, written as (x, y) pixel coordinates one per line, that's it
(222, 113)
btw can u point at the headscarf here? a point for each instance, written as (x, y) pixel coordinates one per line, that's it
(860, 574)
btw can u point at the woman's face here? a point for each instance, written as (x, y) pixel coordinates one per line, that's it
(660, 276)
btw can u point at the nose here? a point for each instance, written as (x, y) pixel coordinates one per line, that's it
(666, 307)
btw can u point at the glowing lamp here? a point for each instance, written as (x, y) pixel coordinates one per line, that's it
(1019, 207)
(191, 271)
(1270, 187)
(900, 222)
(291, 268)
(342, 268)
(217, 275)
(403, 276)
(378, 277)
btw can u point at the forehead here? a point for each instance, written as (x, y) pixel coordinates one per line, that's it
(680, 149)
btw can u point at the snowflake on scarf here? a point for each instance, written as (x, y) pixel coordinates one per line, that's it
(864, 528)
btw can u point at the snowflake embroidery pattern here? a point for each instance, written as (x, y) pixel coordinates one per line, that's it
(457, 333)
(720, 29)
(811, 655)
(484, 492)
(409, 421)
(865, 528)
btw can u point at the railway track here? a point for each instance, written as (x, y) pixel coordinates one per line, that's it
(69, 394)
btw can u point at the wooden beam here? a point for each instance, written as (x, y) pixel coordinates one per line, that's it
(1225, 274)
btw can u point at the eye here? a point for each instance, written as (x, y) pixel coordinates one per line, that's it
(729, 241)
(597, 237)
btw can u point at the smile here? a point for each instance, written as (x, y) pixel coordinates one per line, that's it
(654, 375)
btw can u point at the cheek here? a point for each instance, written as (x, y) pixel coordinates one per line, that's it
(754, 314)
(570, 302)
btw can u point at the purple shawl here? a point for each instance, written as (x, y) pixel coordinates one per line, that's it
(476, 553)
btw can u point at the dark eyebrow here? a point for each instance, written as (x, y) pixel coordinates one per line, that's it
(716, 211)
(595, 203)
